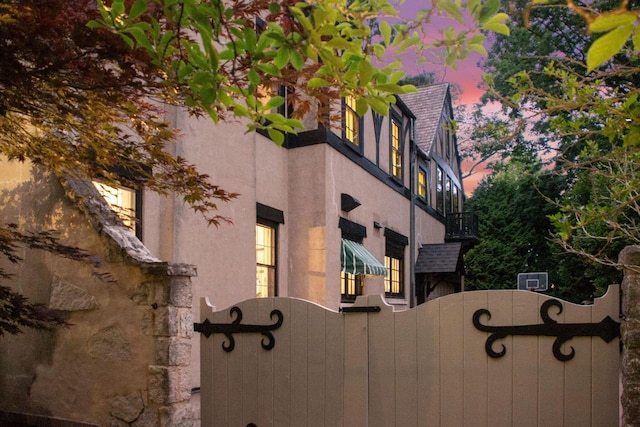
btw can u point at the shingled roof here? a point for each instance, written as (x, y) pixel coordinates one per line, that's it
(427, 104)
(440, 258)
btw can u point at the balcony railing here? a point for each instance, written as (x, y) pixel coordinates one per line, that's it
(462, 227)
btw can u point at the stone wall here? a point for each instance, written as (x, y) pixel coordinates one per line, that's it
(630, 257)
(124, 359)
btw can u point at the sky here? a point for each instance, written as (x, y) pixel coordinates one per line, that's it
(468, 74)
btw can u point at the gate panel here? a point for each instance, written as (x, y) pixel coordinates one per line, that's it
(428, 358)
(382, 369)
(606, 375)
(475, 376)
(578, 374)
(470, 359)
(500, 381)
(523, 358)
(406, 359)
(451, 325)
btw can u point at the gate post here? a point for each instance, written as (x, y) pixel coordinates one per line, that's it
(630, 334)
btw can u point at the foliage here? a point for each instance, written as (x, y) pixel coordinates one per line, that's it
(16, 311)
(511, 204)
(84, 87)
(579, 109)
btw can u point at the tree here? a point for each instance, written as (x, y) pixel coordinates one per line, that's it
(570, 92)
(82, 85)
(512, 206)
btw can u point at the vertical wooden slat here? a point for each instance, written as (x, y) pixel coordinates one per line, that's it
(500, 371)
(282, 365)
(451, 361)
(299, 362)
(356, 362)
(406, 378)
(429, 377)
(207, 367)
(606, 363)
(577, 371)
(316, 365)
(265, 379)
(334, 372)
(525, 361)
(382, 404)
(249, 361)
(551, 376)
(474, 362)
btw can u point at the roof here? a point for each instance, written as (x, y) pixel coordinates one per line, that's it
(427, 105)
(439, 258)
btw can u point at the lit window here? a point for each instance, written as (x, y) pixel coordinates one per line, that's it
(396, 153)
(122, 201)
(350, 286)
(351, 121)
(422, 184)
(265, 261)
(393, 280)
(440, 190)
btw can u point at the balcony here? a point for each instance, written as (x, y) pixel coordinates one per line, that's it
(462, 227)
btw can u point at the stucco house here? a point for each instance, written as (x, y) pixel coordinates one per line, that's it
(366, 205)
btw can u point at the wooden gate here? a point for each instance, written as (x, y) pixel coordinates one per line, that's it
(495, 358)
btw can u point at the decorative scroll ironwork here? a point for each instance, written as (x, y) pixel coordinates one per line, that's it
(608, 329)
(228, 329)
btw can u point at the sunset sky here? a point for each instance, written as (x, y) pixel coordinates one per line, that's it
(468, 75)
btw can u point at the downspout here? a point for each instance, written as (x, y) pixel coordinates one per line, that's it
(412, 216)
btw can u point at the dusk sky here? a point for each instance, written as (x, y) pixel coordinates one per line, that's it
(468, 75)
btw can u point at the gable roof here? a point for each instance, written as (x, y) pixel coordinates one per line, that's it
(439, 258)
(427, 105)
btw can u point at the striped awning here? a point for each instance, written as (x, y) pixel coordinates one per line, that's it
(355, 259)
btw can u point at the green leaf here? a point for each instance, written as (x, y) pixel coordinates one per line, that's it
(488, 10)
(385, 30)
(253, 77)
(276, 136)
(367, 70)
(270, 69)
(274, 102)
(296, 59)
(476, 47)
(452, 9)
(636, 40)
(274, 8)
(608, 22)
(117, 8)
(282, 58)
(317, 82)
(494, 24)
(137, 9)
(608, 45)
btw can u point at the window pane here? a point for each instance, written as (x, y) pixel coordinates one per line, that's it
(265, 261)
(422, 184)
(352, 121)
(396, 154)
(393, 280)
(121, 200)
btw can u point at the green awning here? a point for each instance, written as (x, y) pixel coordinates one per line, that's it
(355, 259)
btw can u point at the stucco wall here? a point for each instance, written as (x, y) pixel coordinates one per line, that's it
(125, 356)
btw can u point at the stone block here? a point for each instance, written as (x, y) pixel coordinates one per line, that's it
(68, 297)
(127, 408)
(173, 352)
(181, 293)
(186, 323)
(110, 343)
(166, 322)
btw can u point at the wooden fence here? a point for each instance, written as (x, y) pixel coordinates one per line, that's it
(288, 362)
